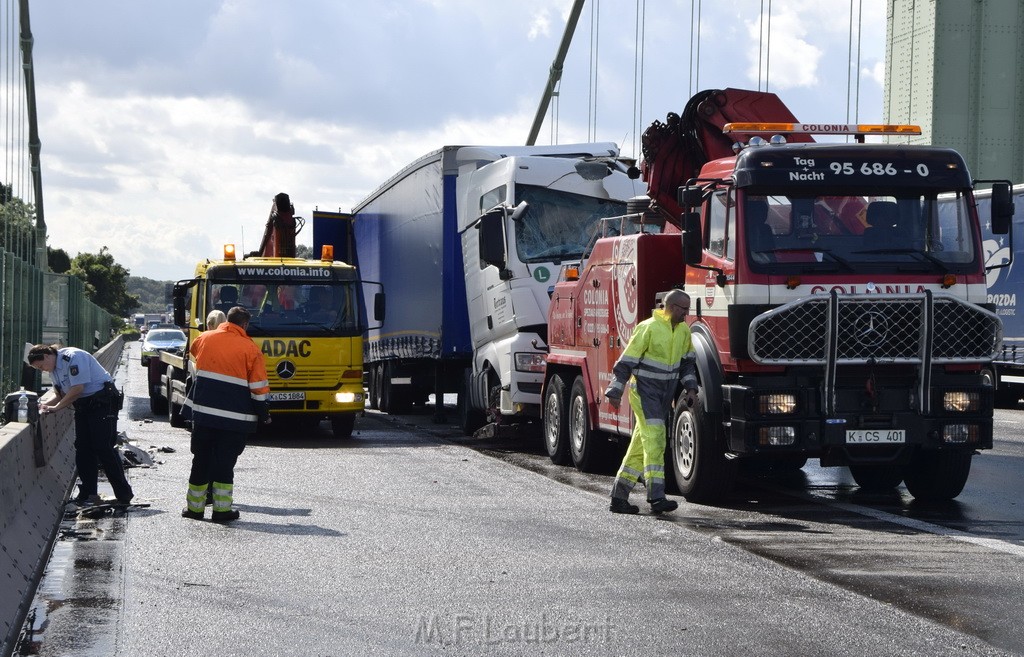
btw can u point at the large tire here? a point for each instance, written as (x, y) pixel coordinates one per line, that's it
(470, 419)
(342, 425)
(877, 478)
(938, 476)
(556, 425)
(586, 446)
(701, 470)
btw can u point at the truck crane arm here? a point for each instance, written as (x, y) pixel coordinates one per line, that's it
(675, 150)
(282, 226)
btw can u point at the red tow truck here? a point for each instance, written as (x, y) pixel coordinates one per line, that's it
(839, 311)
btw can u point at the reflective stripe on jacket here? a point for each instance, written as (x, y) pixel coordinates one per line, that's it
(229, 386)
(657, 357)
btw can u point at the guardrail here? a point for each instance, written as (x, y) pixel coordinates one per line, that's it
(37, 472)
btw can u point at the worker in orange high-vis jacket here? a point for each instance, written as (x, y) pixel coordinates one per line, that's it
(226, 402)
(659, 356)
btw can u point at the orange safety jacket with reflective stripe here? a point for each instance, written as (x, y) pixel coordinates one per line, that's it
(229, 385)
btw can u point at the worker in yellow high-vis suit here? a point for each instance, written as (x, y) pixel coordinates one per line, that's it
(659, 355)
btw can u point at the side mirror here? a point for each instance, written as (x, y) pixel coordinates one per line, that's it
(690, 196)
(693, 240)
(1002, 208)
(179, 311)
(378, 307)
(179, 295)
(492, 237)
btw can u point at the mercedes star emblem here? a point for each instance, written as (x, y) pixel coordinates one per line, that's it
(286, 369)
(871, 328)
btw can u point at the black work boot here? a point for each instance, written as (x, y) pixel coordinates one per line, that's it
(663, 505)
(192, 515)
(620, 505)
(225, 516)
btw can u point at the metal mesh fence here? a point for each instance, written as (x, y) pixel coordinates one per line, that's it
(38, 307)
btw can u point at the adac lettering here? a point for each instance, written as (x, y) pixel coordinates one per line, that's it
(293, 348)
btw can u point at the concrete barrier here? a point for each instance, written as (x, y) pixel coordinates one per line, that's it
(37, 472)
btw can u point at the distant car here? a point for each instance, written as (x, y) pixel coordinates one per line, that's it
(161, 339)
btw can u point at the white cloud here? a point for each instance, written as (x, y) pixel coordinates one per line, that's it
(875, 73)
(168, 130)
(540, 26)
(784, 57)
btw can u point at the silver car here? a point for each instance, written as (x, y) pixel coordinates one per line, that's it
(161, 339)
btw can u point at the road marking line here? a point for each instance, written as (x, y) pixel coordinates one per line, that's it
(920, 525)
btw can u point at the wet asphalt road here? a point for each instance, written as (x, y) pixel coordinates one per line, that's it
(410, 539)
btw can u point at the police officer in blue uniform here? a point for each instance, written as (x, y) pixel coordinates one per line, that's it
(80, 381)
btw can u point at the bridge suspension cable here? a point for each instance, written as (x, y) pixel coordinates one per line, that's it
(638, 73)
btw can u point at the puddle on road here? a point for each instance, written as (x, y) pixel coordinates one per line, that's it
(78, 582)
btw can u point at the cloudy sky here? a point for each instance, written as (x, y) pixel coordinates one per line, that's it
(167, 126)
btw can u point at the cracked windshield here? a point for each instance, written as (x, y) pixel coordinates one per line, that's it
(559, 226)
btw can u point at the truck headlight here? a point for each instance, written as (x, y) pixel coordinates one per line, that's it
(348, 397)
(958, 401)
(960, 433)
(530, 362)
(776, 436)
(776, 404)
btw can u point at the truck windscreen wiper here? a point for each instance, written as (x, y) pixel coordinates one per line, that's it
(915, 252)
(796, 249)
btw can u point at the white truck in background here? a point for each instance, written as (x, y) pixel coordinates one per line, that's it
(468, 240)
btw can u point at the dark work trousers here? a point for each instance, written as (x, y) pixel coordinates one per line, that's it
(214, 454)
(95, 433)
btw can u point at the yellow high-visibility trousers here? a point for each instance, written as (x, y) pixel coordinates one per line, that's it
(645, 455)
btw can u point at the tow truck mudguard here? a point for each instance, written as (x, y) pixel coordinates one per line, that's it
(709, 370)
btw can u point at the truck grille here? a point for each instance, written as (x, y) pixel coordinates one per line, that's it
(897, 328)
(327, 378)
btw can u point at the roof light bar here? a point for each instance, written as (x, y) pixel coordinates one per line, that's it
(823, 128)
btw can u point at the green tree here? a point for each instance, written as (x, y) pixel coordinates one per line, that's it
(105, 282)
(59, 260)
(152, 294)
(17, 225)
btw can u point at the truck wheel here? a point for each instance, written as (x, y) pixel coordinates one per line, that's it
(938, 476)
(470, 419)
(556, 426)
(877, 478)
(585, 446)
(342, 425)
(701, 470)
(173, 410)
